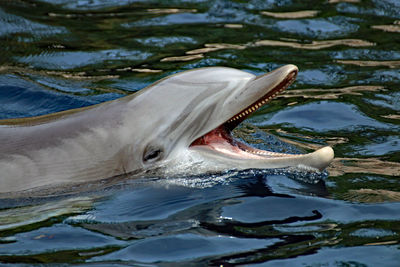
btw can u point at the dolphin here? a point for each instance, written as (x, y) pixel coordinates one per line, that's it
(182, 123)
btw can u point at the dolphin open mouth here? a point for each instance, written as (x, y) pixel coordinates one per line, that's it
(220, 139)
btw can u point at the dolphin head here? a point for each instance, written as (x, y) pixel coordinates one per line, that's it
(192, 114)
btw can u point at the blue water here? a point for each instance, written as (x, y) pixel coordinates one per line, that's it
(59, 55)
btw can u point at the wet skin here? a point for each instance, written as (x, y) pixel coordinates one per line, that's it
(181, 120)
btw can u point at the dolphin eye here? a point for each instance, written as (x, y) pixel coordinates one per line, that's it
(152, 154)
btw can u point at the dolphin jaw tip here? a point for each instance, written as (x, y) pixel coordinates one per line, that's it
(321, 158)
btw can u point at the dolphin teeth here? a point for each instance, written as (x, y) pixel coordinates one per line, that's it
(258, 105)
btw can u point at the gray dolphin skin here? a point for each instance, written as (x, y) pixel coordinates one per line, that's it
(180, 124)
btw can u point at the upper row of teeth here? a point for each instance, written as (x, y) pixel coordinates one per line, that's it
(250, 110)
(258, 104)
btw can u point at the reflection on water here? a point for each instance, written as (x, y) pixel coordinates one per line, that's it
(316, 45)
(369, 63)
(70, 60)
(292, 15)
(62, 54)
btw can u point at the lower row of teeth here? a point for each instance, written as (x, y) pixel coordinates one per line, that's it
(258, 104)
(268, 153)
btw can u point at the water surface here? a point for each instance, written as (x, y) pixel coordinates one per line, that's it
(59, 55)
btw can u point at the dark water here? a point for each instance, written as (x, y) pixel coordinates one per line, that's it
(63, 54)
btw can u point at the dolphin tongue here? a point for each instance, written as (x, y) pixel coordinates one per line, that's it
(221, 140)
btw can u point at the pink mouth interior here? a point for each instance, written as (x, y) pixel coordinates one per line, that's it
(220, 139)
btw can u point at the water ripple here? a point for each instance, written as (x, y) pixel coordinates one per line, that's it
(64, 54)
(70, 60)
(12, 24)
(323, 28)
